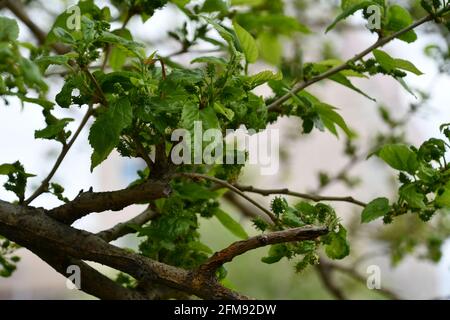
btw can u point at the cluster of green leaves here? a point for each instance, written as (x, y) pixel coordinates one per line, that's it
(8, 259)
(17, 178)
(424, 187)
(302, 214)
(172, 237)
(18, 74)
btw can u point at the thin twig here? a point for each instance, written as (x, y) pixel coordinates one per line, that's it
(232, 188)
(312, 197)
(44, 184)
(243, 208)
(97, 86)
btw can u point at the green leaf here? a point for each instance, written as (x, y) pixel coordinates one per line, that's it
(106, 130)
(331, 118)
(414, 198)
(209, 118)
(246, 2)
(224, 33)
(9, 29)
(86, 7)
(180, 3)
(389, 63)
(189, 114)
(258, 79)
(45, 61)
(247, 42)
(210, 60)
(270, 48)
(290, 218)
(42, 102)
(7, 168)
(350, 10)
(118, 55)
(52, 131)
(405, 86)
(133, 48)
(399, 157)
(276, 253)
(227, 112)
(32, 74)
(214, 5)
(341, 79)
(229, 223)
(193, 192)
(443, 197)
(338, 247)
(17, 178)
(375, 209)
(399, 18)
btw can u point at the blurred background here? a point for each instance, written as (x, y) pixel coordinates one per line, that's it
(306, 160)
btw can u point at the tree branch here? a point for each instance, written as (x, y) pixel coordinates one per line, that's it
(92, 282)
(244, 209)
(276, 105)
(34, 229)
(241, 247)
(232, 188)
(124, 228)
(66, 147)
(89, 202)
(312, 197)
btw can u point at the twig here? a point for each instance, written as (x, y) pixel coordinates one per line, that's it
(142, 152)
(124, 228)
(96, 85)
(243, 208)
(232, 188)
(241, 247)
(44, 184)
(276, 105)
(312, 197)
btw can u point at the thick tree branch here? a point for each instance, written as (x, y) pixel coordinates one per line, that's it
(241, 247)
(66, 147)
(124, 228)
(34, 229)
(92, 281)
(276, 106)
(89, 202)
(312, 197)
